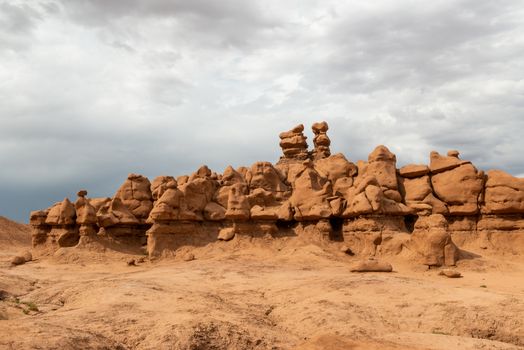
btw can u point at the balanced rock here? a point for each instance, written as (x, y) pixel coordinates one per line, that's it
(321, 141)
(293, 143)
(85, 212)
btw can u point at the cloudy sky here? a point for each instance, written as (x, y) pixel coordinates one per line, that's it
(93, 90)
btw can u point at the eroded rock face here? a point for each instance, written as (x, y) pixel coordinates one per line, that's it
(135, 194)
(432, 241)
(370, 206)
(321, 141)
(293, 143)
(504, 193)
(310, 195)
(460, 188)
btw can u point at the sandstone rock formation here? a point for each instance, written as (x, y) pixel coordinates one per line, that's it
(371, 206)
(432, 240)
(321, 141)
(293, 143)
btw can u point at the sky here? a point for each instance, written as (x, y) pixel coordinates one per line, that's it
(93, 90)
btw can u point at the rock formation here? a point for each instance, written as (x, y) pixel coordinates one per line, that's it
(321, 141)
(371, 206)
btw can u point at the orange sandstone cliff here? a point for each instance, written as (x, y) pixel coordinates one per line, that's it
(372, 208)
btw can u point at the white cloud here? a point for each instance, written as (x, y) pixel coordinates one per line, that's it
(92, 90)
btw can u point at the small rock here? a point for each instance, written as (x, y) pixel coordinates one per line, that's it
(188, 257)
(27, 256)
(226, 234)
(346, 250)
(131, 262)
(141, 260)
(371, 265)
(450, 273)
(18, 260)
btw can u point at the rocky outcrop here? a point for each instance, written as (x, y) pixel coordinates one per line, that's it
(457, 183)
(293, 144)
(135, 194)
(321, 141)
(504, 194)
(432, 241)
(371, 206)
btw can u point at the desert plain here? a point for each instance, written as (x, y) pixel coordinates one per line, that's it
(253, 293)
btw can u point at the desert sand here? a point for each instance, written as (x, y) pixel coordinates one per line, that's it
(253, 293)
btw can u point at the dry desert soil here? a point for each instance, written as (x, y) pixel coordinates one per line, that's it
(253, 294)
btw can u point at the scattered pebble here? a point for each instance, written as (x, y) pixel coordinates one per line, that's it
(346, 250)
(188, 257)
(27, 256)
(18, 260)
(131, 262)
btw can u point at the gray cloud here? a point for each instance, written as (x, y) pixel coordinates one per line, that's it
(93, 90)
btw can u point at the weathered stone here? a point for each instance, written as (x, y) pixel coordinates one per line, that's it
(371, 265)
(413, 170)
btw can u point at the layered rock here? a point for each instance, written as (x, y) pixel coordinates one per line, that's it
(321, 141)
(293, 144)
(55, 226)
(504, 194)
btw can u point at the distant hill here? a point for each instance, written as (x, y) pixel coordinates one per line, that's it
(14, 233)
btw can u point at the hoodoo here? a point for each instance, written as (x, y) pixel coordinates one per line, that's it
(371, 207)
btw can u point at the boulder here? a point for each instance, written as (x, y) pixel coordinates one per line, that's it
(85, 212)
(27, 256)
(450, 273)
(237, 204)
(198, 192)
(310, 193)
(263, 175)
(135, 194)
(115, 213)
(411, 171)
(159, 186)
(214, 212)
(17, 260)
(62, 213)
(459, 188)
(226, 234)
(335, 167)
(382, 165)
(171, 206)
(371, 265)
(439, 163)
(504, 193)
(321, 141)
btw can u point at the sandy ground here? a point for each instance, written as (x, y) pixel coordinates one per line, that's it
(294, 296)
